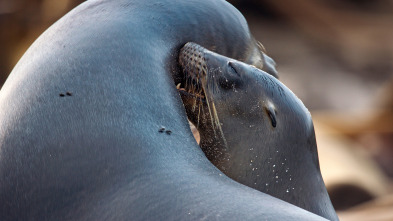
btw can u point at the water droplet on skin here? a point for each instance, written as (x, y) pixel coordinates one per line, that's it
(274, 165)
(276, 177)
(287, 191)
(267, 184)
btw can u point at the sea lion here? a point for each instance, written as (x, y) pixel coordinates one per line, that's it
(253, 128)
(93, 128)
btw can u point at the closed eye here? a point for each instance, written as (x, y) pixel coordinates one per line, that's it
(232, 66)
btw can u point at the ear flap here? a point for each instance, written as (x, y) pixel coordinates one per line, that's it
(271, 112)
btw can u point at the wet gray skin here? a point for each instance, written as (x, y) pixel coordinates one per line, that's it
(253, 128)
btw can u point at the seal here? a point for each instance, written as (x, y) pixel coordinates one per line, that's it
(253, 128)
(93, 128)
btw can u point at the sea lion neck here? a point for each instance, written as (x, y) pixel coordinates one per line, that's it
(253, 128)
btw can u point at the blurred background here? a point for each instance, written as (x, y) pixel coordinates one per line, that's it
(335, 55)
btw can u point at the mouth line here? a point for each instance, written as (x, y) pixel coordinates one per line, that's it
(191, 93)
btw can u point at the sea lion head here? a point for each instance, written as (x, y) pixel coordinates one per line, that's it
(253, 128)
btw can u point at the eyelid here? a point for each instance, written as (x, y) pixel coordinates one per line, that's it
(232, 66)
